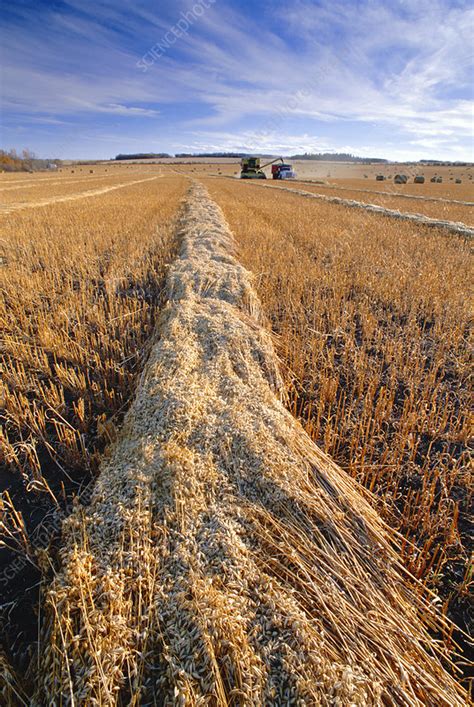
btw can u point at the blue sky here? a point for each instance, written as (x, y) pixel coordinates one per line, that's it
(389, 78)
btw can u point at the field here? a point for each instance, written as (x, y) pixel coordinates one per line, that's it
(442, 210)
(374, 338)
(79, 303)
(446, 190)
(173, 548)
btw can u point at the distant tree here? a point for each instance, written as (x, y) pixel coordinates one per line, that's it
(142, 156)
(11, 161)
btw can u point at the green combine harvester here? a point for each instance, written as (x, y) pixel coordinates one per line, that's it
(250, 168)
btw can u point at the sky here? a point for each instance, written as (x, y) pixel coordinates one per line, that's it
(88, 79)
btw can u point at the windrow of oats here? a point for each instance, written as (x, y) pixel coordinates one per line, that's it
(458, 228)
(388, 192)
(223, 557)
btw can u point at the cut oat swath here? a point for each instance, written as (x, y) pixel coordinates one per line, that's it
(224, 559)
(460, 229)
(392, 194)
(9, 208)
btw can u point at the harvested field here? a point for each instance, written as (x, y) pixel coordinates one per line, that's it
(373, 324)
(223, 558)
(48, 181)
(79, 301)
(391, 190)
(455, 227)
(45, 195)
(442, 210)
(110, 171)
(446, 190)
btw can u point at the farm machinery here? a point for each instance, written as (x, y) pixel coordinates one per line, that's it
(250, 168)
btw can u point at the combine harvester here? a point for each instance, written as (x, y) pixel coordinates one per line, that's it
(251, 169)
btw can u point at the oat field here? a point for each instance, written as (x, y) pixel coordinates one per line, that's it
(235, 441)
(442, 208)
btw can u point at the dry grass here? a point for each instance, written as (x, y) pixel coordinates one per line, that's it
(372, 318)
(81, 288)
(223, 558)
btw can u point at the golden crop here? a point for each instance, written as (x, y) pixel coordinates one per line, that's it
(81, 288)
(370, 318)
(372, 324)
(222, 555)
(448, 189)
(442, 210)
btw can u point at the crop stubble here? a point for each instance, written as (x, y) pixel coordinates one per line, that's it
(307, 278)
(81, 287)
(373, 326)
(442, 210)
(223, 558)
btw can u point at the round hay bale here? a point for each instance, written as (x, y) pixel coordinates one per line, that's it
(419, 179)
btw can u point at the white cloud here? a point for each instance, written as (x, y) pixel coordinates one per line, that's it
(402, 66)
(247, 141)
(116, 109)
